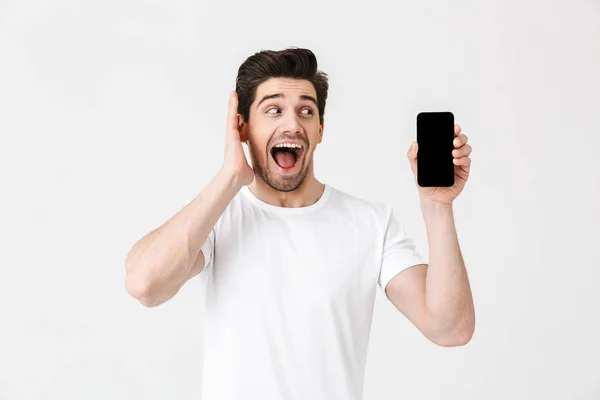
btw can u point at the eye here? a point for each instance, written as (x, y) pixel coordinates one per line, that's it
(310, 112)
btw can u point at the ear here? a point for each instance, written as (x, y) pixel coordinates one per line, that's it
(321, 128)
(242, 128)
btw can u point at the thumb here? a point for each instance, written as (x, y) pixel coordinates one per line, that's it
(412, 156)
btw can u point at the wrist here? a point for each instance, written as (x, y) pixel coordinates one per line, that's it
(435, 207)
(230, 179)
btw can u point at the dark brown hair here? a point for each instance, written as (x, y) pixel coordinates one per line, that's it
(292, 62)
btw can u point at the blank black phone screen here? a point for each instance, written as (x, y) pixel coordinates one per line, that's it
(435, 136)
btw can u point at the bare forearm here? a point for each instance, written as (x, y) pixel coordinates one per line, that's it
(448, 293)
(161, 261)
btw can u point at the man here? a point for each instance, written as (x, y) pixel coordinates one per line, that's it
(291, 264)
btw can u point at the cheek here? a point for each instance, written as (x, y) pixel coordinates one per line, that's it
(259, 136)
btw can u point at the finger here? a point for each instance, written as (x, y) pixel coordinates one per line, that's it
(457, 129)
(412, 151)
(463, 161)
(460, 140)
(462, 152)
(412, 156)
(232, 119)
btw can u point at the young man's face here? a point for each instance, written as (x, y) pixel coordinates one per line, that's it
(290, 117)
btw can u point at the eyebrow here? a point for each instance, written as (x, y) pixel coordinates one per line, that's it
(280, 95)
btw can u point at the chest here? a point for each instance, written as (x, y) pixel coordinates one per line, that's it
(274, 260)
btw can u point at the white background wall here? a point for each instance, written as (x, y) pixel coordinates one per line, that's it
(112, 116)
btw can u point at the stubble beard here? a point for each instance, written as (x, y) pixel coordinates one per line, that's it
(272, 178)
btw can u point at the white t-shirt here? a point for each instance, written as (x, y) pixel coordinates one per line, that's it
(290, 295)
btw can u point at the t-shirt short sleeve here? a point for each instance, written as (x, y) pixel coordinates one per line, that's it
(399, 251)
(208, 249)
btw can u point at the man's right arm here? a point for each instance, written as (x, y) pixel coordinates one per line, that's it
(160, 263)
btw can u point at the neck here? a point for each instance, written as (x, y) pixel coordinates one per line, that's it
(308, 193)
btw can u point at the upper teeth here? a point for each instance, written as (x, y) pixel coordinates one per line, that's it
(290, 145)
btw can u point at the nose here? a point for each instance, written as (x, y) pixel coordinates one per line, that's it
(291, 124)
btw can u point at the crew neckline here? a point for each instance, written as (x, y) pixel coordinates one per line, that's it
(286, 210)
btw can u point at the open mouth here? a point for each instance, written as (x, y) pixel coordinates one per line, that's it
(287, 157)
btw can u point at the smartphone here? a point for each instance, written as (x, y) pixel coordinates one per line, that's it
(435, 138)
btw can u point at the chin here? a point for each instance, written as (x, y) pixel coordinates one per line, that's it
(285, 182)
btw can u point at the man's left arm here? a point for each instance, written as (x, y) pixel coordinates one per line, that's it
(437, 297)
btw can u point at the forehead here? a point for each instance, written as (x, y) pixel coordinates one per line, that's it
(290, 87)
